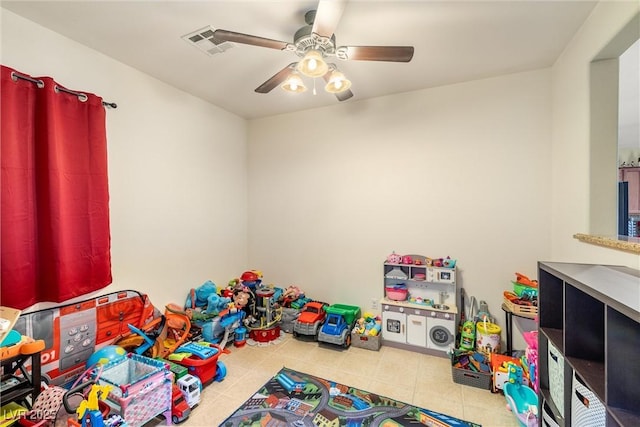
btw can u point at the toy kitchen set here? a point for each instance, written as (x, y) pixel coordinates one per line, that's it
(419, 311)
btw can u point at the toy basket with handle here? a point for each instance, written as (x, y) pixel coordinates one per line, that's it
(524, 310)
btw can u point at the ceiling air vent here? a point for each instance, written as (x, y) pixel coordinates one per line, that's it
(204, 40)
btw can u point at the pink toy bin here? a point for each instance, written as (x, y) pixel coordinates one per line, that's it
(397, 292)
(141, 388)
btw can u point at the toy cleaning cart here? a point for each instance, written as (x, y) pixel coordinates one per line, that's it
(201, 359)
(141, 388)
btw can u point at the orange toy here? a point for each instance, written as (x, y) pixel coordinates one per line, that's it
(170, 331)
(173, 335)
(513, 298)
(524, 280)
(500, 370)
(26, 346)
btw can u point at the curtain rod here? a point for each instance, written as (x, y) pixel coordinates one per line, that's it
(81, 96)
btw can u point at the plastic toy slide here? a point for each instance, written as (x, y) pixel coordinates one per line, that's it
(523, 402)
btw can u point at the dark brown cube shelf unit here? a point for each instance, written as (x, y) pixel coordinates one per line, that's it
(591, 315)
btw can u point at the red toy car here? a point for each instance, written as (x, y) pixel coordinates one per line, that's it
(310, 319)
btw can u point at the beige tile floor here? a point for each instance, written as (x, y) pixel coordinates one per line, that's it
(407, 376)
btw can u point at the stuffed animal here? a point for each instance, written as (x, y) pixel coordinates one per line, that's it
(292, 293)
(198, 297)
(216, 303)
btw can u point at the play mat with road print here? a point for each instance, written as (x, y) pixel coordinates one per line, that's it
(293, 398)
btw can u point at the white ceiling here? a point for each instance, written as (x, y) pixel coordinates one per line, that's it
(454, 41)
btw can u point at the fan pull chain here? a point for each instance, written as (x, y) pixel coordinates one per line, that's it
(314, 87)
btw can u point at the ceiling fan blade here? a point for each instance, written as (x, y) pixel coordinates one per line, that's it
(327, 17)
(375, 53)
(276, 79)
(343, 96)
(232, 36)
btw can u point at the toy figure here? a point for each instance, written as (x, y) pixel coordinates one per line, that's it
(241, 298)
(97, 392)
(468, 335)
(360, 326)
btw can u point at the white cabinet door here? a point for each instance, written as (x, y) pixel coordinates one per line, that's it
(394, 326)
(416, 330)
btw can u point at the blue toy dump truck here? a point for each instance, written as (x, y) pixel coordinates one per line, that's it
(336, 328)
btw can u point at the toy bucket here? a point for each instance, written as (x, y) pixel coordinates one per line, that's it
(241, 336)
(487, 337)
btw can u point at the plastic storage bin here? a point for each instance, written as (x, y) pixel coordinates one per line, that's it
(397, 292)
(469, 377)
(556, 378)
(586, 409)
(488, 337)
(369, 342)
(548, 419)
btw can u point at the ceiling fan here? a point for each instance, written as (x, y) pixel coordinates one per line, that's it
(314, 43)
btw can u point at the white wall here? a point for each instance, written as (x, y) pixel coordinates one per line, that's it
(492, 172)
(629, 121)
(459, 170)
(177, 167)
(570, 155)
(629, 94)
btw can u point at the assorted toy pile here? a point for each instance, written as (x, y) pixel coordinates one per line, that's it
(514, 377)
(478, 339)
(394, 258)
(366, 332)
(523, 300)
(477, 361)
(400, 269)
(154, 363)
(479, 331)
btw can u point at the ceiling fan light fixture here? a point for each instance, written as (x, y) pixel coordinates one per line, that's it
(337, 83)
(313, 64)
(294, 84)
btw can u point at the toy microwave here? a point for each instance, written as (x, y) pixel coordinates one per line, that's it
(441, 275)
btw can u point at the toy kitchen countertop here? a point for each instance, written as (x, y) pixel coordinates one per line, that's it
(446, 308)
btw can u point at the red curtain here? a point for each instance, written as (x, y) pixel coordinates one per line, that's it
(55, 235)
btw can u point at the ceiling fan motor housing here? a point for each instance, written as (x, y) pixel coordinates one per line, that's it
(304, 40)
(310, 17)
